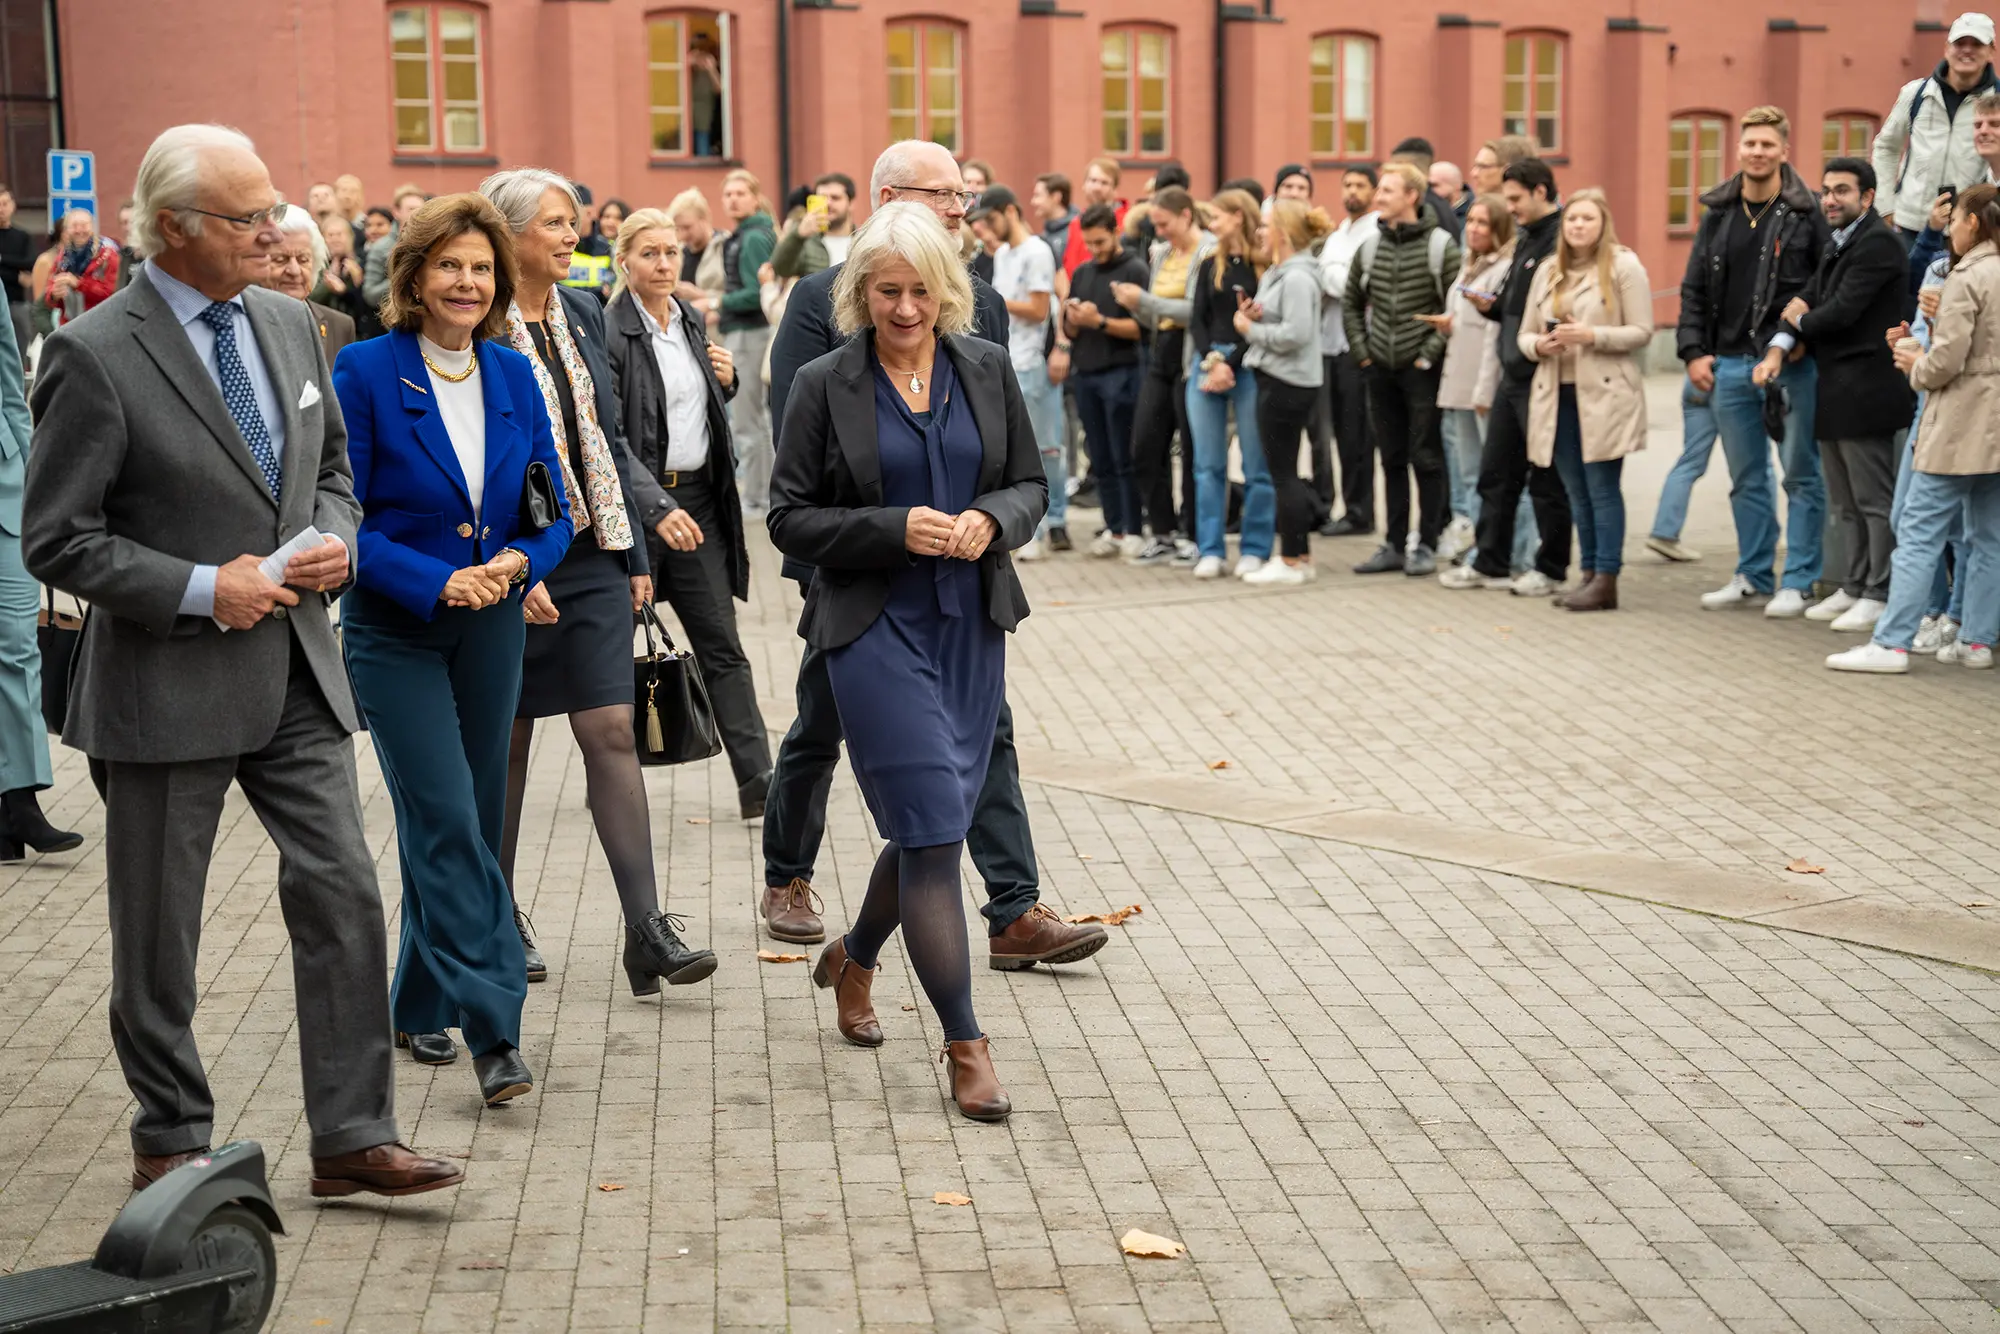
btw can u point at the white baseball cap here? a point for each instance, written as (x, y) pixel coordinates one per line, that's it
(1972, 25)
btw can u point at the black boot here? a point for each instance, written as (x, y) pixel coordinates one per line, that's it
(429, 1048)
(22, 822)
(503, 1075)
(538, 968)
(653, 950)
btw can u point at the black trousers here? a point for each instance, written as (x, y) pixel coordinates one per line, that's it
(1503, 470)
(1282, 412)
(1002, 847)
(1340, 423)
(1159, 427)
(1402, 404)
(696, 585)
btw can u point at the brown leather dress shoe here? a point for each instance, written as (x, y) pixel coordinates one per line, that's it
(148, 1168)
(386, 1169)
(851, 983)
(791, 913)
(1039, 936)
(974, 1086)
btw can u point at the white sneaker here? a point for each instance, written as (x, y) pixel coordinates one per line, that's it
(1458, 537)
(1860, 618)
(1832, 607)
(1786, 604)
(1930, 636)
(1131, 546)
(1967, 655)
(1248, 565)
(1465, 577)
(1035, 550)
(1738, 592)
(1104, 545)
(1278, 572)
(1185, 551)
(1208, 567)
(1533, 584)
(1871, 657)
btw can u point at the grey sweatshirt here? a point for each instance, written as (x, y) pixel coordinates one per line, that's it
(1285, 343)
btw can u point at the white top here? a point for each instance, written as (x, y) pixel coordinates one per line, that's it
(463, 408)
(687, 392)
(1336, 257)
(837, 246)
(1019, 271)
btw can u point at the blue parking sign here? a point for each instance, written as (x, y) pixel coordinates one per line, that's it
(72, 181)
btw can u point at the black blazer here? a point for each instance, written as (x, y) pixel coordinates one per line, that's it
(1856, 296)
(645, 502)
(826, 488)
(641, 392)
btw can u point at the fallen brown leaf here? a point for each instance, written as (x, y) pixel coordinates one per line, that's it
(1976, 903)
(1219, 764)
(1800, 866)
(950, 1197)
(699, 819)
(1151, 1246)
(1116, 917)
(1085, 857)
(1913, 1123)
(484, 1264)
(909, 1007)
(609, 1185)
(771, 956)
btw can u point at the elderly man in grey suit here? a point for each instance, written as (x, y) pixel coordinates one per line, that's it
(184, 430)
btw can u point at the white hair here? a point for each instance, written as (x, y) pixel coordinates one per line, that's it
(909, 232)
(897, 166)
(518, 192)
(305, 224)
(169, 180)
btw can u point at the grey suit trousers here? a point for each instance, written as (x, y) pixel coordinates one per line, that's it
(160, 826)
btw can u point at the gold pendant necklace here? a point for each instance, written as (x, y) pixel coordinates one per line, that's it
(1769, 205)
(446, 375)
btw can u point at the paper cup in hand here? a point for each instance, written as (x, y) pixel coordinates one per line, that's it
(1909, 345)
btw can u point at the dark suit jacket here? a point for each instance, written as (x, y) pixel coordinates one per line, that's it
(826, 489)
(641, 394)
(646, 503)
(417, 523)
(335, 330)
(1855, 296)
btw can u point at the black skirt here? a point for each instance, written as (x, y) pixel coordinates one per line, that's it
(584, 660)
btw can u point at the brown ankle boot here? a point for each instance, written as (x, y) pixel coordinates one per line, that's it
(851, 983)
(1584, 579)
(974, 1086)
(1600, 594)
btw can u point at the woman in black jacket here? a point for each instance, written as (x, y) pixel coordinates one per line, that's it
(673, 387)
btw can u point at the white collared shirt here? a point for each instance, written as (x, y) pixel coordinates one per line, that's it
(687, 392)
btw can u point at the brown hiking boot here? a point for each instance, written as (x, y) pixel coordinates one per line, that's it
(791, 913)
(1039, 936)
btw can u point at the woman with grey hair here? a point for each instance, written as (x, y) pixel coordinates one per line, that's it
(578, 659)
(296, 266)
(908, 508)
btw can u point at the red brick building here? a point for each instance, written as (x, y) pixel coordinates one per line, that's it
(641, 99)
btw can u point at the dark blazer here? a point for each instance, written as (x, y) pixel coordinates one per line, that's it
(1857, 294)
(417, 524)
(826, 487)
(641, 393)
(335, 330)
(646, 502)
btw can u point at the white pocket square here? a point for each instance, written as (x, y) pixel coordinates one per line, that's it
(308, 396)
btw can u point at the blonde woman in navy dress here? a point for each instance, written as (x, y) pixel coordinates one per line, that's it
(907, 471)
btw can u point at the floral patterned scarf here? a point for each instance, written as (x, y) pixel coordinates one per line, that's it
(597, 500)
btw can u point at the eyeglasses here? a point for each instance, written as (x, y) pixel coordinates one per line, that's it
(252, 221)
(941, 199)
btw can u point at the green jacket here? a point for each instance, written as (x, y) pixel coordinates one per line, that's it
(799, 256)
(1381, 305)
(743, 253)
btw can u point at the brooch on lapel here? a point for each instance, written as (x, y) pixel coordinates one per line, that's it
(419, 388)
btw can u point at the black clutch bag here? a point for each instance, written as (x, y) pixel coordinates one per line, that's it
(672, 721)
(57, 636)
(538, 497)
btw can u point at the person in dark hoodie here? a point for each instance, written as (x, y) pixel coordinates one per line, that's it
(1759, 245)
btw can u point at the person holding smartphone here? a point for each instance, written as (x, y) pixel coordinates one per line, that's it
(1472, 368)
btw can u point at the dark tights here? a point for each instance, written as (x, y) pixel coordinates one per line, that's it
(918, 889)
(617, 802)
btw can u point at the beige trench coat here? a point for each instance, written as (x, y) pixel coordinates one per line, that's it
(1610, 390)
(1960, 431)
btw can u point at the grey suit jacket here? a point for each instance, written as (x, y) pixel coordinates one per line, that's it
(137, 475)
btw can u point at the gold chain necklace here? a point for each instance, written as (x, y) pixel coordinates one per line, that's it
(1769, 204)
(446, 375)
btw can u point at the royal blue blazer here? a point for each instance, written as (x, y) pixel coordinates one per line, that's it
(417, 524)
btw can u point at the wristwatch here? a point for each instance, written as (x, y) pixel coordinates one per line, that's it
(520, 575)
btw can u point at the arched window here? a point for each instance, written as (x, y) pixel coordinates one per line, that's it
(1847, 134)
(437, 56)
(1136, 69)
(1532, 101)
(1343, 96)
(687, 72)
(1695, 160)
(926, 82)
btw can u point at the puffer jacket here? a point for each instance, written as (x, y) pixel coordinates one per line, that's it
(1610, 391)
(1472, 351)
(1379, 317)
(1960, 375)
(1914, 159)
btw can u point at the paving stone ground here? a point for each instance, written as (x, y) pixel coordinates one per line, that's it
(1369, 1091)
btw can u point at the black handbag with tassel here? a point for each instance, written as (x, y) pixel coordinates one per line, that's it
(57, 636)
(672, 720)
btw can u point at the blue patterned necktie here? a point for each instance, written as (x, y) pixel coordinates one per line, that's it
(237, 393)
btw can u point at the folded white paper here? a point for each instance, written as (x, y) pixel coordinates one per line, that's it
(274, 564)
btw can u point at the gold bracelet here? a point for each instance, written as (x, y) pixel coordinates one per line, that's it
(520, 575)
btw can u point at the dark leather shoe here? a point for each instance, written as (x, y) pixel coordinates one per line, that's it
(654, 949)
(792, 913)
(538, 970)
(148, 1168)
(751, 796)
(386, 1169)
(1039, 936)
(502, 1075)
(429, 1048)
(854, 1008)
(1584, 579)
(974, 1086)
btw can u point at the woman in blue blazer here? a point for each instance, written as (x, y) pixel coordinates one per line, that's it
(447, 432)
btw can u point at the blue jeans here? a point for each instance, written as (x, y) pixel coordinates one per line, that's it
(1208, 419)
(1947, 595)
(1932, 505)
(1045, 415)
(1464, 443)
(1107, 401)
(1738, 406)
(1698, 432)
(1595, 500)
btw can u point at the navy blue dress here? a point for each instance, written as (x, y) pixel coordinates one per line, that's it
(919, 692)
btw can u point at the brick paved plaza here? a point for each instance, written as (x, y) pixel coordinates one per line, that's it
(1471, 994)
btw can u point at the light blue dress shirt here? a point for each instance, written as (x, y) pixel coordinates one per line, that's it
(187, 304)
